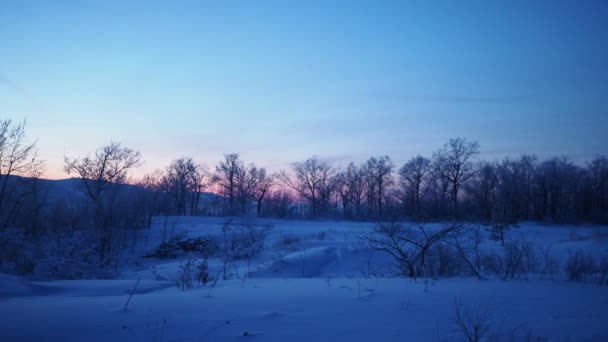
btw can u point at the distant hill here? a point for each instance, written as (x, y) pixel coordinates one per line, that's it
(69, 189)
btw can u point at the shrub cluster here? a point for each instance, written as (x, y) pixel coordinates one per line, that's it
(456, 250)
(180, 244)
(581, 266)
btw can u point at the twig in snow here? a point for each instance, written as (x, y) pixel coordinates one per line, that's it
(131, 295)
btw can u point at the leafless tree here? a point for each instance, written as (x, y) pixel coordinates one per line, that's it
(438, 190)
(378, 178)
(413, 179)
(527, 167)
(314, 181)
(557, 182)
(100, 174)
(177, 183)
(483, 189)
(344, 194)
(240, 183)
(185, 180)
(18, 157)
(281, 202)
(151, 198)
(247, 179)
(264, 183)
(455, 163)
(198, 182)
(514, 195)
(108, 166)
(598, 183)
(351, 189)
(225, 177)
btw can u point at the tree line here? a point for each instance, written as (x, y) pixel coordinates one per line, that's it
(452, 183)
(107, 207)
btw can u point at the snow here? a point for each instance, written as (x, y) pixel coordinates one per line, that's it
(311, 283)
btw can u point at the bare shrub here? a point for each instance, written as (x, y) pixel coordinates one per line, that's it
(202, 272)
(515, 335)
(492, 264)
(15, 252)
(473, 322)
(240, 242)
(442, 260)
(247, 241)
(580, 266)
(193, 273)
(603, 271)
(466, 243)
(518, 260)
(70, 255)
(408, 244)
(184, 279)
(550, 265)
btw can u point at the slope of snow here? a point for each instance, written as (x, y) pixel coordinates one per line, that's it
(311, 283)
(307, 309)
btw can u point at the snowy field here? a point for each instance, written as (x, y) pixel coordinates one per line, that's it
(313, 281)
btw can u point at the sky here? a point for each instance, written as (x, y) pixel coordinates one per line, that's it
(281, 81)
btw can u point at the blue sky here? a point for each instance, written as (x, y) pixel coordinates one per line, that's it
(281, 81)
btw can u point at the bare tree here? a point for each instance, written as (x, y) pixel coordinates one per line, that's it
(185, 180)
(152, 195)
(281, 202)
(198, 181)
(240, 183)
(108, 166)
(414, 176)
(455, 163)
(177, 183)
(247, 179)
(262, 187)
(557, 182)
(379, 178)
(514, 194)
(314, 182)
(100, 173)
(483, 189)
(527, 166)
(225, 177)
(352, 188)
(598, 181)
(17, 158)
